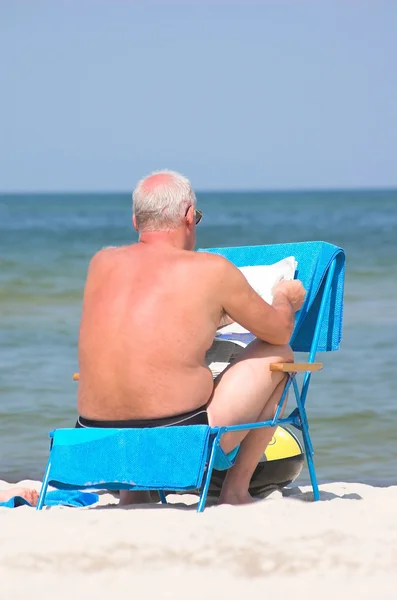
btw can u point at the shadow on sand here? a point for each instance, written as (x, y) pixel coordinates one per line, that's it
(294, 493)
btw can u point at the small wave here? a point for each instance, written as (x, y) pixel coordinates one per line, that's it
(13, 297)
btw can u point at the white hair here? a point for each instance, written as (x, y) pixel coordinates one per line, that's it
(160, 204)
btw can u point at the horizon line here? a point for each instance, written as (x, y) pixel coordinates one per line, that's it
(306, 190)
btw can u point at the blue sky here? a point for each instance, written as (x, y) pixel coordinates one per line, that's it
(236, 95)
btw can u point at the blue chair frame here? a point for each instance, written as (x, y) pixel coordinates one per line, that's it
(297, 418)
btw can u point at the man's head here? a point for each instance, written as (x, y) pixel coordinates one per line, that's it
(165, 202)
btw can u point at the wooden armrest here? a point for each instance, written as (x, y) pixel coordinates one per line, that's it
(295, 367)
(76, 376)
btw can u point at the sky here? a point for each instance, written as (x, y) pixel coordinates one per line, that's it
(235, 95)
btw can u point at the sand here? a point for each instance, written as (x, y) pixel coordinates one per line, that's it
(341, 547)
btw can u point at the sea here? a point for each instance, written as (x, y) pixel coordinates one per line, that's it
(47, 240)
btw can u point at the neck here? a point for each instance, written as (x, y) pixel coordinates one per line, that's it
(174, 238)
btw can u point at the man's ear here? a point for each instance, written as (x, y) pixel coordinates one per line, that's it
(134, 222)
(190, 217)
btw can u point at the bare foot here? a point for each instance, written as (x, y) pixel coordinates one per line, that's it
(131, 497)
(235, 498)
(30, 495)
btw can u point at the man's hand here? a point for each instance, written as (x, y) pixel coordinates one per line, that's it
(293, 290)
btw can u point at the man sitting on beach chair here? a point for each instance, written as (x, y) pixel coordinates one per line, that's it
(150, 313)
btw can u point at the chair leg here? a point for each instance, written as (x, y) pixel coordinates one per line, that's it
(163, 499)
(310, 462)
(304, 427)
(207, 477)
(44, 486)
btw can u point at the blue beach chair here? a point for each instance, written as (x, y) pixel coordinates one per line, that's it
(183, 458)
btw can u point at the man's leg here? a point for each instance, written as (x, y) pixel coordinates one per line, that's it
(247, 392)
(132, 497)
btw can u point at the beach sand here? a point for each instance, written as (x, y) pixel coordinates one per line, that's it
(342, 547)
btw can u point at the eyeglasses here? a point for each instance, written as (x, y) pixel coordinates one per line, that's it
(197, 213)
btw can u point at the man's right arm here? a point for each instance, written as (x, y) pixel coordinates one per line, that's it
(271, 323)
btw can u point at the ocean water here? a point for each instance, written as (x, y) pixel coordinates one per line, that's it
(46, 242)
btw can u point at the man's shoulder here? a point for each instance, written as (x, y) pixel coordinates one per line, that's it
(213, 262)
(107, 254)
(210, 259)
(208, 267)
(107, 251)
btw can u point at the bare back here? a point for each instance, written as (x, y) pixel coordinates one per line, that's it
(149, 316)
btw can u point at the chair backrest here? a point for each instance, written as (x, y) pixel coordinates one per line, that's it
(314, 262)
(171, 458)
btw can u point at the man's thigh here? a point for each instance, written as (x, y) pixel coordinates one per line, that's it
(243, 389)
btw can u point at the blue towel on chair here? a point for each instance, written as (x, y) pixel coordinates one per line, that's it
(314, 260)
(117, 459)
(56, 498)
